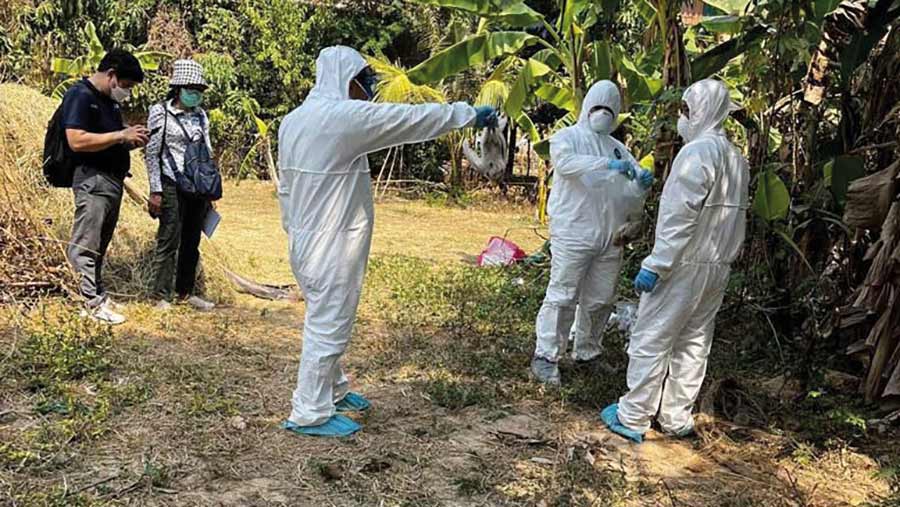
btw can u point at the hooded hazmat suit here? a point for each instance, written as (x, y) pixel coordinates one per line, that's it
(327, 210)
(587, 204)
(699, 232)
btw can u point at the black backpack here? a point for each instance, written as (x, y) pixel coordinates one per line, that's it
(59, 162)
(200, 176)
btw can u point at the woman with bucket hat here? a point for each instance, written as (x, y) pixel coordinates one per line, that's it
(179, 131)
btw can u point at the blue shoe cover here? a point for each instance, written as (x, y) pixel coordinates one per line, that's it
(337, 426)
(353, 402)
(610, 417)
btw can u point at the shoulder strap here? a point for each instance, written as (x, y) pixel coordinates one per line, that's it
(184, 130)
(162, 145)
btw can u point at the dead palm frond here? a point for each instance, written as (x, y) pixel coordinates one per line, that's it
(495, 90)
(394, 85)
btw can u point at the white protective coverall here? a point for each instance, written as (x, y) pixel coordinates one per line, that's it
(328, 213)
(587, 204)
(699, 232)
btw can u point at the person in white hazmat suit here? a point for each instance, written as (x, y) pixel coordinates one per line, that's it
(327, 212)
(597, 185)
(699, 233)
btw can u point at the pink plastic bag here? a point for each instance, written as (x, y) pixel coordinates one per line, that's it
(500, 252)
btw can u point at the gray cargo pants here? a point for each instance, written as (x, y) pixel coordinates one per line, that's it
(98, 197)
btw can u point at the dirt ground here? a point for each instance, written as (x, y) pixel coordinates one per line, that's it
(455, 420)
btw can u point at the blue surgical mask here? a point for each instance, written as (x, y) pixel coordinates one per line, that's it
(190, 98)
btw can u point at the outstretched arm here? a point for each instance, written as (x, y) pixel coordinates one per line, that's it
(373, 127)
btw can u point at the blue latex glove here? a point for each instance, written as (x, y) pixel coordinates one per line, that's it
(645, 280)
(485, 116)
(622, 166)
(645, 179)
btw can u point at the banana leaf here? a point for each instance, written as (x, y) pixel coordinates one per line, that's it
(772, 201)
(717, 58)
(470, 52)
(514, 13)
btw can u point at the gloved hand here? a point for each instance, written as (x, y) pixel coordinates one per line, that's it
(622, 166)
(485, 116)
(645, 281)
(645, 179)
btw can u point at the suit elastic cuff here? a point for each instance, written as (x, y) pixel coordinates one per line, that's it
(655, 268)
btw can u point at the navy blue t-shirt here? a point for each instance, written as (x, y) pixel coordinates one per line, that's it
(87, 109)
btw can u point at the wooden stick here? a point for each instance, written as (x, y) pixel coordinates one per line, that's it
(92, 485)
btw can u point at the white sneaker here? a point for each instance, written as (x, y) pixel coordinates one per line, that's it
(104, 313)
(162, 306)
(116, 307)
(200, 304)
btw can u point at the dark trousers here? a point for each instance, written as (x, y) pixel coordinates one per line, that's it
(98, 198)
(178, 237)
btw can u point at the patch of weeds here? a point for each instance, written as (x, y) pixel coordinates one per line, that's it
(581, 484)
(824, 417)
(453, 198)
(803, 454)
(157, 475)
(452, 393)
(853, 421)
(12, 456)
(61, 346)
(56, 496)
(471, 485)
(464, 299)
(66, 361)
(211, 400)
(206, 390)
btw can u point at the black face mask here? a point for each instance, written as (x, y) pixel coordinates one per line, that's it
(367, 80)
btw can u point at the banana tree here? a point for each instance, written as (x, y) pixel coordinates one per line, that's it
(262, 141)
(80, 66)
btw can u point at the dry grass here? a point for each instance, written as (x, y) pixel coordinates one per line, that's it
(250, 235)
(187, 412)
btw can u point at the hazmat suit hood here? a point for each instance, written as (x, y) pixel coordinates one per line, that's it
(335, 69)
(709, 104)
(603, 93)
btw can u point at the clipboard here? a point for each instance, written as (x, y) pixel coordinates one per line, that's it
(211, 222)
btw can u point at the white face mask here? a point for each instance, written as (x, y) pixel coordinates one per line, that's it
(602, 122)
(118, 93)
(684, 129)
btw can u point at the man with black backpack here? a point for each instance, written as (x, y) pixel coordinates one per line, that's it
(98, 145)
